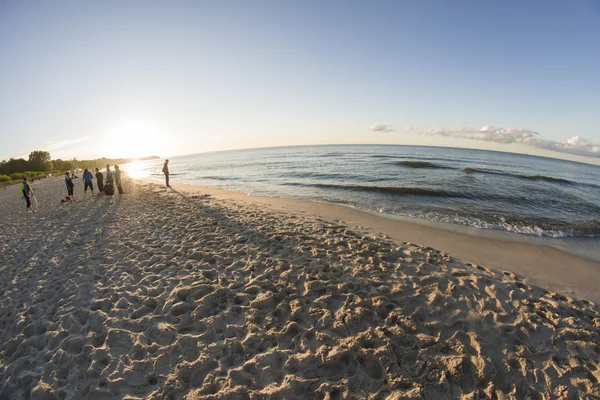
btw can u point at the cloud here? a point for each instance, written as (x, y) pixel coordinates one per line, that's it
(575, 145)
(381, 128)
(52, 145)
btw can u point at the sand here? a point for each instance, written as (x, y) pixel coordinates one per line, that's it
(204, 296)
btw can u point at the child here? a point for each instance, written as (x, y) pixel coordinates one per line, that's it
(70, 186)
(27, 193)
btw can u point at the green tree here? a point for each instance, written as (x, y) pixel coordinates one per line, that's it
(37, 159)
(13, 166)
(62, 165)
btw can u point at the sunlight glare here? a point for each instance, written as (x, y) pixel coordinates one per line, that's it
(135, 169)
(133, 138)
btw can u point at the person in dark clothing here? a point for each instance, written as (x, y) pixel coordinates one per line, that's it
(87, 182)
(109, 175)
(27, 194)
(70, 185)
(118, 179)
(165, 171)
(100, 180)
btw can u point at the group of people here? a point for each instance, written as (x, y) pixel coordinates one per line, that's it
(107, 187)
(112, 178)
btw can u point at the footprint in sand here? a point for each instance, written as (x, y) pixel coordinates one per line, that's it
(286, 341)
(332, 370)
(180, 309)
(199, 372)
(370, 366)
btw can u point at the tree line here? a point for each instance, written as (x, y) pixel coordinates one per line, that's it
(40, 164)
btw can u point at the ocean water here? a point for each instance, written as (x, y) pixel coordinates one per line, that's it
(491, 190)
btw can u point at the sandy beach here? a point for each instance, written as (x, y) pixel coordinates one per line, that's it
(205, 294)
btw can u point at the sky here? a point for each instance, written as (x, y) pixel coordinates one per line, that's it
(88, 79)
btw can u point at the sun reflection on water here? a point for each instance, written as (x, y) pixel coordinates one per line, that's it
(135, 169)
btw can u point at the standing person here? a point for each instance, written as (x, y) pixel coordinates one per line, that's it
(165, 171)
(27, 193)
(99, 180)
(118, 179)
(70, 186)
(109, 188)
(87, 182)
(109, 174)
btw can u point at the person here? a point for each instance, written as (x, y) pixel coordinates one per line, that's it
(165, 171)
(70, 185)
(99, 180)
(109, 174)
(87, 182)
(109, 187)
(118, 179)
(27, 193)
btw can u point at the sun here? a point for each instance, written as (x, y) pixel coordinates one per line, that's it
(132, 138)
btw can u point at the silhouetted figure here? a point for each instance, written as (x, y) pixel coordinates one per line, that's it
(165, 171)
(109, 188)
(118, 179)
(100, 180)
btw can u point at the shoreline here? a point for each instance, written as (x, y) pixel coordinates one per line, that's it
(586, 247)
(533, 258)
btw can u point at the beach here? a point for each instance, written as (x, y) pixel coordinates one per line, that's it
(201, 293)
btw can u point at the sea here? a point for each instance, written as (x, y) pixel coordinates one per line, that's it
(524, 194)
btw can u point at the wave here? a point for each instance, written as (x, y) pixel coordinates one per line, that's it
(418, 158)
(324, 176)
(384, 189)
(550, 179)
(590, 228)
(333, 154)
(421, 164)
(302, 174)
(544, 178)
(218, 178)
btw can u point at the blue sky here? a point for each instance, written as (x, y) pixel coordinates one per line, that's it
(108, 78)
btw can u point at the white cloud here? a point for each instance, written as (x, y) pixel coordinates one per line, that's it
(578, 142)
(381, 128)
(575, 145)
(51, 146)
